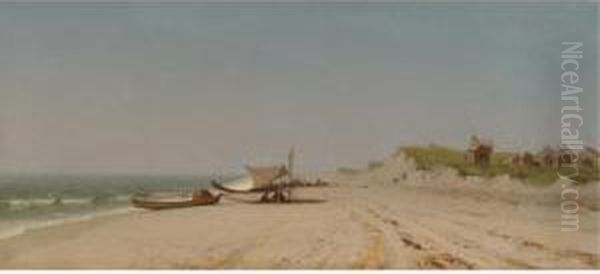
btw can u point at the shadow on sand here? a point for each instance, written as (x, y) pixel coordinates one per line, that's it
(291, 202)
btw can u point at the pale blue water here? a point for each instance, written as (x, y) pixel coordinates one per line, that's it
(30, 201)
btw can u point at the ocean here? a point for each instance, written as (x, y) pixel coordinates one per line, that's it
(34, 201)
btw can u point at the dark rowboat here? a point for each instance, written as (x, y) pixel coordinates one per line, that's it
(198, 199)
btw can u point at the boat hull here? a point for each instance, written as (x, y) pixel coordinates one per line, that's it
(232, 190)
(161, 205)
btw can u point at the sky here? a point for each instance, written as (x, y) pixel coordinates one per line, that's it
(208, 88)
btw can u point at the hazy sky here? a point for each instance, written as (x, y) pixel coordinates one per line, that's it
(211, 87)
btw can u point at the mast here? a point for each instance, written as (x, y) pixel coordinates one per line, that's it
(290, 165)
(290, 168)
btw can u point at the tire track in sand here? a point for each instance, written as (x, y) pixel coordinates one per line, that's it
(427, 256)
(373, 255)
(573, 256)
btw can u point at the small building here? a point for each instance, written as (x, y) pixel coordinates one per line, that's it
(479, 152)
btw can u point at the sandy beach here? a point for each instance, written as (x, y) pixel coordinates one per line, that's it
(302, 134)
(364, 221)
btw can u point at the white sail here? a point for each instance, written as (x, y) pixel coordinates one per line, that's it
(241, 184)
(258, 178)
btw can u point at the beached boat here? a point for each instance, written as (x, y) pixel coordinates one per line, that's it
(275, 182)
(200, 198)
(272, 181)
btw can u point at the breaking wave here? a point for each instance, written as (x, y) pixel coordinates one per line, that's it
(34, 201)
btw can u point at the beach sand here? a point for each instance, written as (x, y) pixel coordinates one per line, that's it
(363, 223)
